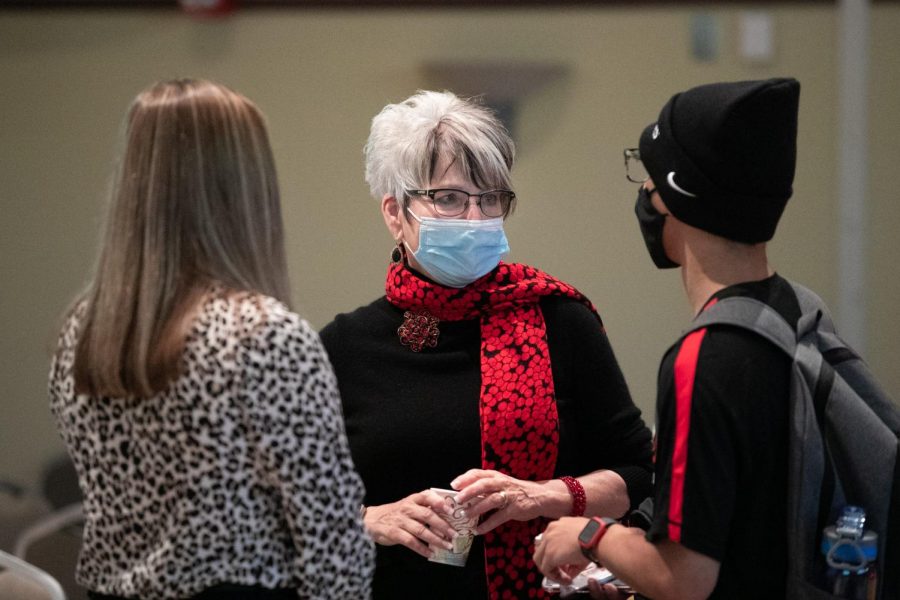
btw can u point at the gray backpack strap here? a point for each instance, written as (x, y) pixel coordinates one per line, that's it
(809, 465)
(844, 437)
(810, 302)
(751, 314)
(828, 338)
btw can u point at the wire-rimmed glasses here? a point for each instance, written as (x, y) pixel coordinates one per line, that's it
(449, 202)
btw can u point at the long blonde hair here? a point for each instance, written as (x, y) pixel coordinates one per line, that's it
(195, 201)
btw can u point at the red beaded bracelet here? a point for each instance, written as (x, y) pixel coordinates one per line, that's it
(579, 499)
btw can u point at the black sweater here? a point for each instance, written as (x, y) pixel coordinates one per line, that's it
(413, 421)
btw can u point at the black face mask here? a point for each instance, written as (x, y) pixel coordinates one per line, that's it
(651, 222)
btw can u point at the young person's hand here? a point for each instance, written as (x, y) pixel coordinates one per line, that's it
(558, 553)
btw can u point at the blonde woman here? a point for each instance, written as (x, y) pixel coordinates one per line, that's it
(202, 415)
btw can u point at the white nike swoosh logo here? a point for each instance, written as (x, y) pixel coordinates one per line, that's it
(676, 187)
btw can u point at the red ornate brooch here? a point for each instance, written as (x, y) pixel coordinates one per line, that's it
(418, 330)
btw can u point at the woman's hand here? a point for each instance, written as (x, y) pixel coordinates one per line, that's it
(511, 499)
(414, 521)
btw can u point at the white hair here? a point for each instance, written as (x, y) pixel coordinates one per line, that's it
(408, 140)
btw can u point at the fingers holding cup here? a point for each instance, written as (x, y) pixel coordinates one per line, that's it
(463, 524)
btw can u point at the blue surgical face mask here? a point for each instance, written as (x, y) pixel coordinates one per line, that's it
(456, 252)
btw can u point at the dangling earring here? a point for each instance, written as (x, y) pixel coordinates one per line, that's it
(396, 253)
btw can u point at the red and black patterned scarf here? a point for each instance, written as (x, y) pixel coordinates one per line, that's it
(519, 421)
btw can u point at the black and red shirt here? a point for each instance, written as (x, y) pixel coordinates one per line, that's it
(721, 463)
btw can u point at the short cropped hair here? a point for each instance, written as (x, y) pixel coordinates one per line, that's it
(408, 140)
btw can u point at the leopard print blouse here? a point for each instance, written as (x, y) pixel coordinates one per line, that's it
(238, 472)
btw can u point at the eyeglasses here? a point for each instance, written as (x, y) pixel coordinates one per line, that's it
(635, 170)
(452, 203)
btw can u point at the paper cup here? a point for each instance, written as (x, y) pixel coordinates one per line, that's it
(465, 531)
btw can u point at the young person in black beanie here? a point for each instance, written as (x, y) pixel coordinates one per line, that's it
(716, 171)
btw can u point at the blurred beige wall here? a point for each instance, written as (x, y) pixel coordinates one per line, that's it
(68, 76)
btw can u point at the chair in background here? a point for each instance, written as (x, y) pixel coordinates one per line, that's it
(59, 520)
(21, 580)
(43, 529)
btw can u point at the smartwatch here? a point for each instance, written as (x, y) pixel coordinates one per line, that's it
(592, 533)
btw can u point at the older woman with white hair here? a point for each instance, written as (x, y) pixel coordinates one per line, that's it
(492, 378)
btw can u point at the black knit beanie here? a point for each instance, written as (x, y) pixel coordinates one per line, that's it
(722, 156)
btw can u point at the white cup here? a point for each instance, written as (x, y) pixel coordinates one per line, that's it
(465, 531)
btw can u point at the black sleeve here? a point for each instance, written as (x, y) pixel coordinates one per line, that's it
(698, 478)
(331, 337)
(600, 427)
(722, 431)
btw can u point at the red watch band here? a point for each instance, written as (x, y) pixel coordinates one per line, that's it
(599, 525)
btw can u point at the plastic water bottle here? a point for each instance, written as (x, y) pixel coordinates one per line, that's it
(850, 551)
